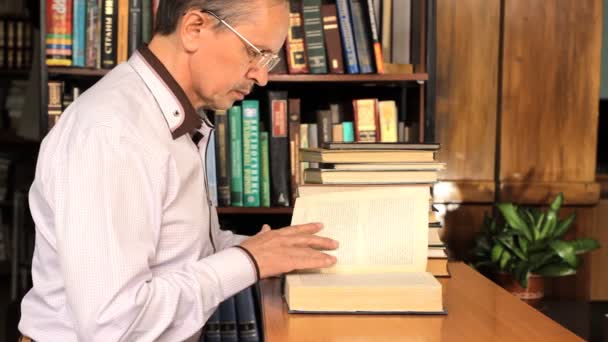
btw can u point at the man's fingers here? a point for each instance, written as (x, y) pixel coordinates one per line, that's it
(306, 258)
(312, 241)
(265, 228)
(306, 228)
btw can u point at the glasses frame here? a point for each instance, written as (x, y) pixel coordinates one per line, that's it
(266, 59)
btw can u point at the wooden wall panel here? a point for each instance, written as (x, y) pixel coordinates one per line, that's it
(550, 90)
(467, 87)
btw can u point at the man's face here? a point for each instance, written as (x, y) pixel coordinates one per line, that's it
(224, 69)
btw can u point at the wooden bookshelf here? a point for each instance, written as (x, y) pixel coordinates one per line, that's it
(282, 78)
(602, 179)
(254, 211)
(14, 74)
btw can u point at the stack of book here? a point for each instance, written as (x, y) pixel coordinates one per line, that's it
(352, 166)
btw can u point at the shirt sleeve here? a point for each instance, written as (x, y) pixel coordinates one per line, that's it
(108, 192)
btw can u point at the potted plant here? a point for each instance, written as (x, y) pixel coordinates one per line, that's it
(522, 245)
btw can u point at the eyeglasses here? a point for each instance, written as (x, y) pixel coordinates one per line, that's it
(262, 59)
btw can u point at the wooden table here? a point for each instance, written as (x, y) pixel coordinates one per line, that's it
(478, 310)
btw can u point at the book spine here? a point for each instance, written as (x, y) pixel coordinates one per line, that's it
(58, 33)
(146, 20)
(279, 148)
(264, 171)
(210, 169)
(387, 25)
(303, 144)
(109, 21)
(246, 316)
(80, 29)
(324, 125)
(296, 53)
(223, 157)
(362, 37)
(294, 146)
(235, 125)
(313, 32)
(333, 43)
(10, 43)
(346, 31)
(387, 120)
(19, 44)
(55, 104)
(251, 153)
(122, 43)
(93, 35)
(402, 20)
(2, 42)
(373, 24)
(134, 26)
(366, 120)
(211, 330)
(228, 331)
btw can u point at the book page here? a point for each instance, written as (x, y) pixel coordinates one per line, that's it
(379, 230)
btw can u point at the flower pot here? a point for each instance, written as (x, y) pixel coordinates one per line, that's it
(532, 295)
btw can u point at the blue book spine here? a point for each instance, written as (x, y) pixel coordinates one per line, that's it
(210, 168)
(346, 31)
(246, 316)
(235, 123)
(211, 331)
(79, 30)
(228, 330)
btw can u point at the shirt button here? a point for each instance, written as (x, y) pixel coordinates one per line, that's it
(176, 113)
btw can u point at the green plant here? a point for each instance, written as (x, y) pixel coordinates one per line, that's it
(527, 240)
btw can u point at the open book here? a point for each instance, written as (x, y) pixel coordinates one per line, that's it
(381, 268)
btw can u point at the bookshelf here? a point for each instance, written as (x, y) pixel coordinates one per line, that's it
(415, 89)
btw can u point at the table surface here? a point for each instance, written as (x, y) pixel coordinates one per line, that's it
(478, 310)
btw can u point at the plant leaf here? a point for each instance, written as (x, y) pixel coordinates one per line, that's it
(549, 224)
(584, 245)
(562, 226)
(531, 223)
(557, 202)
(504, 259)
(556, 270)
(523, 244)
(539, 260)
(520, 273)
(509, 211)
(566, 251)
(496, 252)
(508, 242)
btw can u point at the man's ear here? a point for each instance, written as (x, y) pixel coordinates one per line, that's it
(192, 27)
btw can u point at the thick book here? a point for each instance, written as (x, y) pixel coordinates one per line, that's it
(235, 124)
(59, 32)
(109, 33)
(279, 148)
(324, 126)
(373, 8)
(297, 61)
(366, 120)
(246, 316)
(313, 33)
(348, 40)
(333, 42)
(264, 171)
(80, 30)
(362, 35)
(251, 153)
(135, 22)
(336, 176)
(228, 329)
(211, 169)
(122, 38)
(93, 38)
(319, 155)
(295, 137)
(211, 330)
(223, 157)
(146, 20)
(391, 270)
(387, 120)
(381, 146)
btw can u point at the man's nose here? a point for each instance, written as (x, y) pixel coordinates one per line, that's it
(258, 75)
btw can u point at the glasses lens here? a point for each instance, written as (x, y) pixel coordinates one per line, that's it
(268, 61)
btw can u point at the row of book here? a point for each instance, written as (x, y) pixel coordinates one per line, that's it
(16, 41)
(12, 103)
(235, 320)
(96, 33)
(352, 36)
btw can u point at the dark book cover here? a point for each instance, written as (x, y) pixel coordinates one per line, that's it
(376, 45)
(211, 330)
(93, 35)
(135, 22)
(294, 146)
(228, 330)
(279, 149)
(381, 146)
(246, 316)
(362, 34)
(281, 68)
(146, 21)
(223, 157)
(296, 51)
(324, 126)
(333, 42)
(109, 33)
(348, 41)
(313, 33)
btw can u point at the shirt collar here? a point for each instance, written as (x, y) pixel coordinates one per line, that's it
(178, 111)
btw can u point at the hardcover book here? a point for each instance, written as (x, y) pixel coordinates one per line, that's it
(391, 271)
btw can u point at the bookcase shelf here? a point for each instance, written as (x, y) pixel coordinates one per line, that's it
(21, 74)
(255, 210)
(282, 78)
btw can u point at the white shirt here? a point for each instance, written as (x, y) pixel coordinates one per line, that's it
(123, 250)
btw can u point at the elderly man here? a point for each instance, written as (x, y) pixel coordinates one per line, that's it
(128, 247)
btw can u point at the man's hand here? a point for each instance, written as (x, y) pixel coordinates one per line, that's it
(290, 248)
